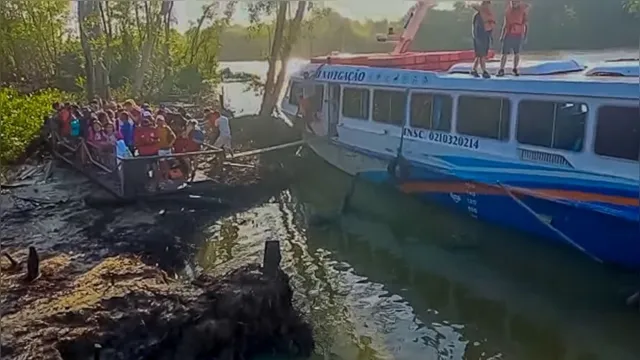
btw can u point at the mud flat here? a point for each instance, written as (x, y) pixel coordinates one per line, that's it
(107, 286)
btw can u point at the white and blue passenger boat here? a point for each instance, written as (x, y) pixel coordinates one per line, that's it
(552, 152)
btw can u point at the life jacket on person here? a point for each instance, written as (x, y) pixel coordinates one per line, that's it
(488, 20)
(516, 18)
(146, 140)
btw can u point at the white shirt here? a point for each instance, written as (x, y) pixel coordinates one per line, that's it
(222, 123)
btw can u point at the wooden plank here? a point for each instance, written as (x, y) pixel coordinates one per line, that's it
(271, 148)
(232, 164)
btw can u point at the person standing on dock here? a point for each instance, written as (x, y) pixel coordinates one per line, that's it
(165, 135)
(483, 24)
(514, 31)
(222, 124)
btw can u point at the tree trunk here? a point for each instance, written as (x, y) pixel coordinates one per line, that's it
(106, 63)
(270, 102)
(276, 45)
(147, 49)
(167, 83)
(84, 9)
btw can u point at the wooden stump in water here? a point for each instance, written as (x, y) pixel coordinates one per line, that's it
(272, 257)
(33, 265)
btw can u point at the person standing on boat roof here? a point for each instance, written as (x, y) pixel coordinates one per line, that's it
(483, 24)
(514, 31)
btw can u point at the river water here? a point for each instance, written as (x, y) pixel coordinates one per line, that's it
(398, 279)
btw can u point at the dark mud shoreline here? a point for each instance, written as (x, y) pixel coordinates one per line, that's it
(108, 273)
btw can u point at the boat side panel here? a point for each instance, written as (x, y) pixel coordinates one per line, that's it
(608, 238)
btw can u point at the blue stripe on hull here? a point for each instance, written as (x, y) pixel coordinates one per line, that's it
(611, 239)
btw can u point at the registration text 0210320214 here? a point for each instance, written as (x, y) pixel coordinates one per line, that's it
(442, 138)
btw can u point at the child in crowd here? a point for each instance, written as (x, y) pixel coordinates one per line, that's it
(110, 133)
(98, 138)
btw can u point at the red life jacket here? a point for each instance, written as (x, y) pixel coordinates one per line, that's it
(146, 140)
(516, 19)
(65, 122)
(488, 19)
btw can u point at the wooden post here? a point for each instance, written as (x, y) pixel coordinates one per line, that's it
(272, 257)
(33, 264)
(97, 349)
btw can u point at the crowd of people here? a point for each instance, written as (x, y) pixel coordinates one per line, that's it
(129, 129)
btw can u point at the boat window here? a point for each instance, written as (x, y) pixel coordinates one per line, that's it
(431, 111)
(295, 91)
(316, 92)
(389, 106)
(484, 117)
(355, 103)
(554, 125)
(618, 132)
(318, 97)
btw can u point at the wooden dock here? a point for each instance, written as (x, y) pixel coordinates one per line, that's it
(134, 177)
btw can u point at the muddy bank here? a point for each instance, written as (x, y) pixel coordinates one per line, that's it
(108, 271)
(125, 309)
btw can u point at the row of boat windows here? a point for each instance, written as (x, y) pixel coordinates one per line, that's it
(555, 125)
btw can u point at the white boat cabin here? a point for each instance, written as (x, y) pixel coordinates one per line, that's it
(558, 114)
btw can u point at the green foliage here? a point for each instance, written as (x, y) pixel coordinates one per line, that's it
(22, 119)
(555, 25)
(41, 47)
(633, 6)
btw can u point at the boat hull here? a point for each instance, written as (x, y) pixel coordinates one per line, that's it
(604, 237)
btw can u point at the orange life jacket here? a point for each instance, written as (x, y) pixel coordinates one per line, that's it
(488, 19)
(516, 19)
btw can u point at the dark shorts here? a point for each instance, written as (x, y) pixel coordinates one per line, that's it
(511, 44)
(481, 46)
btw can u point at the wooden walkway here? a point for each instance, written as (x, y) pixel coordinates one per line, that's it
(135, 177)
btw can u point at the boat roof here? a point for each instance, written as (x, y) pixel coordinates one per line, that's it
(613, 79)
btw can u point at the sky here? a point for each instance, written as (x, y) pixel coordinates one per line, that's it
(190, 10)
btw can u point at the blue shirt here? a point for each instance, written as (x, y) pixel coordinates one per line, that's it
(127, 129)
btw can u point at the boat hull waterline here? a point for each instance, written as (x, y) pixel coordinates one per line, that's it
(599, 221)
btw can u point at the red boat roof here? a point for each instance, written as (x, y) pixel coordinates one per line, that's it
(433, 60)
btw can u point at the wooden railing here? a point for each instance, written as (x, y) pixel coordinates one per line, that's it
(132, 177)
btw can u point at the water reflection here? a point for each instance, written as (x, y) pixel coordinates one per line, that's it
(514, 297)
(397, 279)
(407, 281)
